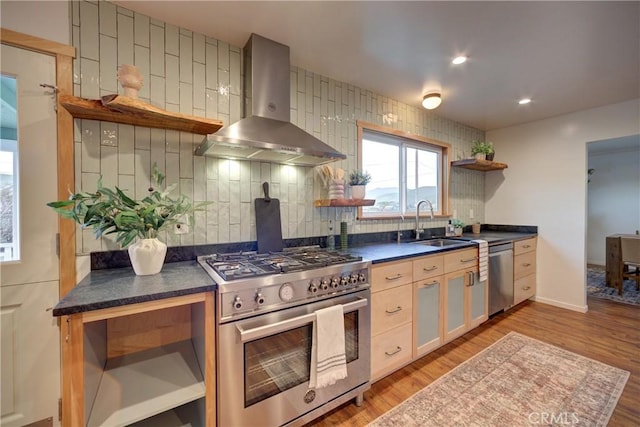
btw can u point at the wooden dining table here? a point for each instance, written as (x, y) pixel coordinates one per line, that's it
(613, 260)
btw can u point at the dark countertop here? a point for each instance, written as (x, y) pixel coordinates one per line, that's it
(498, 236)
(120, 286)
(385, 252)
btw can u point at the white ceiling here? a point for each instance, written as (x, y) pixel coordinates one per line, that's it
(565, 56)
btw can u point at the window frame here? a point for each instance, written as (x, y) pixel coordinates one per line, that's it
(417, 141)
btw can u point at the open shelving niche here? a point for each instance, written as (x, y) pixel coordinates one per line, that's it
(146, 387)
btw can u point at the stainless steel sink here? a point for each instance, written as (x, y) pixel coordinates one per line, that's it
(440, 242)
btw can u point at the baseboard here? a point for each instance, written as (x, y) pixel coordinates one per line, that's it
(578, 308)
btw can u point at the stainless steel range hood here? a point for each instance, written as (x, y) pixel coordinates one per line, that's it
(265, 134)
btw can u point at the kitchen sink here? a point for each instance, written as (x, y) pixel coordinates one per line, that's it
(440, 242)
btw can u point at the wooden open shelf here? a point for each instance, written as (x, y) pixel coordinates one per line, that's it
(125, 110)
(344, 202)
(479, 165)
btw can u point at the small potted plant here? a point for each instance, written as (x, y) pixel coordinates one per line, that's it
(482, 150)
(457, 226)
(111, 211)
(358, 180)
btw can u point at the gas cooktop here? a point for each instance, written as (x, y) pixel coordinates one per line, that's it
(240, 265)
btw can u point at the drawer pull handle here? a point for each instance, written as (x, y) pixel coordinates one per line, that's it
(396, 351)
(396, 277)
(434, 267)
(526, 264)
(526, 288)
(435, 282)
(469, 260)
(395, 310)
(526, 246)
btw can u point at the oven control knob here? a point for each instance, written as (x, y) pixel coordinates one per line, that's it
(354, 279)
(362, 278)
(237, 303)
(324, 284)
(286, 292)
(259, 298)
(344, 280)
(335, 281)
(313, 287)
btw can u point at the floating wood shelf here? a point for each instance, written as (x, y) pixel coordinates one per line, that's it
(344, 202)
(479, 165)
(125, 110)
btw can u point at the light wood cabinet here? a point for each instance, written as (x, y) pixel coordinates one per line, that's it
(454, 305)
(427, 319)
(148, 362)
(429, 266)
(391, 317)
(524, 269)
(458, 260)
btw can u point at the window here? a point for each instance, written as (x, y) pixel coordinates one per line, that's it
(404, 168)
(9, 227)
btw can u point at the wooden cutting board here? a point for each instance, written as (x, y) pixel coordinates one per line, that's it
(268, 223)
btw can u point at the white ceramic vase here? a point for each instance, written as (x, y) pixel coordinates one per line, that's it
(457, 231)
(147, 256)
(357, 191)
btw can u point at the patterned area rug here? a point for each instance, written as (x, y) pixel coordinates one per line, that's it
(597, 288)
(518, 381)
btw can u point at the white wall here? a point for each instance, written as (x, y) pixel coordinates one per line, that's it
(613, 198)
(545, 185)
(46, 19)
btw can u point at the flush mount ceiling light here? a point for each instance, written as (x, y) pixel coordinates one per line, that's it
(459, 60)
(431, 100)
(524, 101)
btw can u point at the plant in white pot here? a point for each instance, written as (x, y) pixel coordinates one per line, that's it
(358, 181)
(457, 226)
(481, 150)
(111, 211)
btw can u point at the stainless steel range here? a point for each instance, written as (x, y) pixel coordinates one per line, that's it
(266, 307)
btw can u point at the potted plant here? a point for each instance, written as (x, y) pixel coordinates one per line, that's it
(111, 211)
(457, 226)
(482, 150)
(358, 180)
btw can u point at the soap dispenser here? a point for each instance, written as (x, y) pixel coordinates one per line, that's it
(450, 230)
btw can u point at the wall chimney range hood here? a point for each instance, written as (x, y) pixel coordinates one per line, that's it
(266, 134)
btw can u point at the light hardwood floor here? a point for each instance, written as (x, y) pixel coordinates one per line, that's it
(608, 332)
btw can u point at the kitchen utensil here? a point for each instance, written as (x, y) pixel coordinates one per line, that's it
(268, 223)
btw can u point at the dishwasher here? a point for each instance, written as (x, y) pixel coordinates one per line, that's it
(500, 277)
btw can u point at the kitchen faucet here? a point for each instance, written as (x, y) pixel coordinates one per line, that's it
(418, 215)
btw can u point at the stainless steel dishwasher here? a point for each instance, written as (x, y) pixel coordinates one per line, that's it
(500, 277)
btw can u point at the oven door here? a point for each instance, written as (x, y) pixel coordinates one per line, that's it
(263, 363)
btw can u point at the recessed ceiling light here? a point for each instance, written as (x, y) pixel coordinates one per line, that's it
(524, 101)
(459, 60)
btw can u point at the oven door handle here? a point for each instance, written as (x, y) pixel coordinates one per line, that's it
(295, 322)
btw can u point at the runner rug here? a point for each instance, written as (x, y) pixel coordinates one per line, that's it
(517, 381)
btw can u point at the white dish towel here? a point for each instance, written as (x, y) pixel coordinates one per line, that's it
(328, 359)
(483, 259)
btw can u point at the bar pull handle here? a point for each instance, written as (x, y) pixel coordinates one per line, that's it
(396, 351)
(526, 288)
(526, 264)
(396, 277)
(395, 310)
(475, 258)
(428, 285)
(433, 267)
(526, 246)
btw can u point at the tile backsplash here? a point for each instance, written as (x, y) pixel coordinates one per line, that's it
(193, 74)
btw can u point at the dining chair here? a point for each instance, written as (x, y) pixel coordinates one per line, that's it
(630, 248)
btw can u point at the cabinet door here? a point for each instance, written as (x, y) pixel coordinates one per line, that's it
(426, 308)
(478, 302)
(390, 308)
(524, 288)
(454, 322)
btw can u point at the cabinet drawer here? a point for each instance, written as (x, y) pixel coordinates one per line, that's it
(524, 265)
(391, 275)
(391, 308)
(524, 288)
(390, 351)
(426, 267)
(458, 260)
(524, 246)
